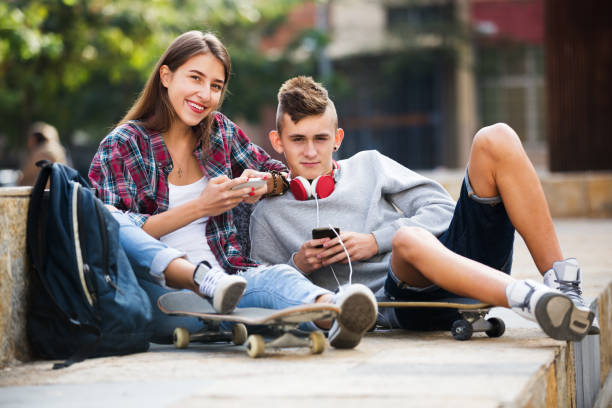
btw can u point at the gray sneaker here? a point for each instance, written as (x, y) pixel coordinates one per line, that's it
(566, 277)
(554, 311)
(358, 310)
(224, 290)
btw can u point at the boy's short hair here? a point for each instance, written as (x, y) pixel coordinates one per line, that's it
(299, 97)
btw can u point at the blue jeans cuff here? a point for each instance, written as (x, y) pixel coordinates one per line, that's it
(315, 294)
(160, 263)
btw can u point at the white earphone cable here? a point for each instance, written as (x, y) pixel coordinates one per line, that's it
(314, 194)
(336, 278)
(350, 279)
(317, 203)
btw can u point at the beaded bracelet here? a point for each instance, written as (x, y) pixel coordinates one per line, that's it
(279, 184)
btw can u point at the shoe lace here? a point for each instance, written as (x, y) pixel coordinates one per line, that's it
(571, 289)
(209, 283)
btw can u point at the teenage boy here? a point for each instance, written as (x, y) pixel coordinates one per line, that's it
(406, 238)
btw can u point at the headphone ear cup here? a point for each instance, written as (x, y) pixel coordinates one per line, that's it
(300, 188)
(323, 186)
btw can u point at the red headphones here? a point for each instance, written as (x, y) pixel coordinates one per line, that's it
(320, 187)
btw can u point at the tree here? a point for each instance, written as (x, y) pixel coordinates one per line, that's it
(79, 64)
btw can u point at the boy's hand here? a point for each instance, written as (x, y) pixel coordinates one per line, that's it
(307, 258)
(359, 246)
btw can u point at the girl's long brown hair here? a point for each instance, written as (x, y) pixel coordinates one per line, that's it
(153, 106)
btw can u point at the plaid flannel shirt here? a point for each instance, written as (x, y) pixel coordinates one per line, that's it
(131, 167)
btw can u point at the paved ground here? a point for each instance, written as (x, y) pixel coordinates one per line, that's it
(417, 369)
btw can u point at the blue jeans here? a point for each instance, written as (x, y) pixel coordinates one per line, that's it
(271, 287)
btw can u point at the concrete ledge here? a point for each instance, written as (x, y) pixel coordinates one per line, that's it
(586, 194)
(13, 277)
(553, 385)
(604, 398)
(604, 304)
(521, 369)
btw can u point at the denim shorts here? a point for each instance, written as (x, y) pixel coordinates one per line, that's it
(480, 230)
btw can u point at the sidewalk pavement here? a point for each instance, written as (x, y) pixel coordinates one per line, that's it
(399, 367)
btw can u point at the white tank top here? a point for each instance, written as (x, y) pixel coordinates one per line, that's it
(192, 237)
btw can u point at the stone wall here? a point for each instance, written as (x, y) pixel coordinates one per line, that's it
(554, 384)
(605, 322)
(579, 374)
(586, 194)
(13, 274)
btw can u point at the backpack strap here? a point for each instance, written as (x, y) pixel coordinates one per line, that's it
(35, 245)
(85, 351)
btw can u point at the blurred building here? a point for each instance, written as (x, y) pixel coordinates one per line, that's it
(579, 84)
(509, 43)
(415, 79)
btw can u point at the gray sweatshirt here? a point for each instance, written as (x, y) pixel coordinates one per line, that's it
(366, 185)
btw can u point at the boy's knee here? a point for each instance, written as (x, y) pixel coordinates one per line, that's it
(496, 141)
(407, 241)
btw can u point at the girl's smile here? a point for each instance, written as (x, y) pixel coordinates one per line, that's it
(195, 88)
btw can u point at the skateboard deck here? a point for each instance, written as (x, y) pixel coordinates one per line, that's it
(471, 311)
(283, 323)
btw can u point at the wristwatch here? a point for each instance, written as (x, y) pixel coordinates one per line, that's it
(200, 272)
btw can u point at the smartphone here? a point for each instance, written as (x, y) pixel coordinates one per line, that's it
(324, 232)
(253, 182)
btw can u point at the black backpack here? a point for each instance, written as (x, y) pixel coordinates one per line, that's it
(85, 300)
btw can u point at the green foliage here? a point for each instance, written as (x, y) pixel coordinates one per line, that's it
(256, 78)
(79, 64)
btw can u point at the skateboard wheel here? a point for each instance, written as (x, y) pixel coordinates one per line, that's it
(461, 330)
(239, 334)
(181, 337)
(317, 342)
(255, 346)
(498, 327)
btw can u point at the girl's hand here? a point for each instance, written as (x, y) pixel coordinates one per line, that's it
(253, 195)
(218, 197)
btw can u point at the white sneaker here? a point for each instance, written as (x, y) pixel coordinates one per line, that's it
(224, 290)
(358, 311)
(554, 311)
(566, 277)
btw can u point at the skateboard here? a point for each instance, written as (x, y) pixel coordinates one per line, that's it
(283, 324)
(472, 314)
